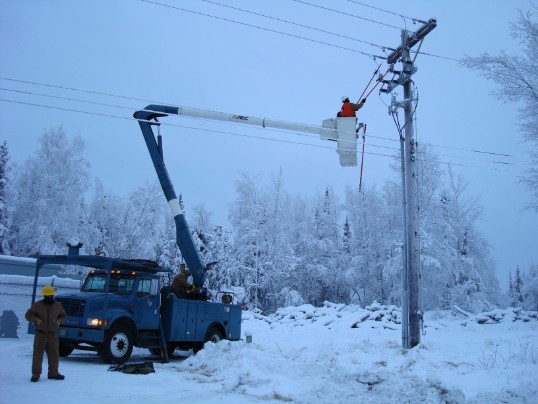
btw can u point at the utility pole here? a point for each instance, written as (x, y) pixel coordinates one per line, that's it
(411, 311)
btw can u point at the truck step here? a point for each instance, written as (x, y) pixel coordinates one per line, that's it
(149, 341)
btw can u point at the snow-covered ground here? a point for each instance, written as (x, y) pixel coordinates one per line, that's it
(332, 354)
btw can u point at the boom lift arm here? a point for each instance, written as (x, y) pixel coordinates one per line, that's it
(183, 235)
(341, 130)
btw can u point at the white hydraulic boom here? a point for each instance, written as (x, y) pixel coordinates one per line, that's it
(341, 130)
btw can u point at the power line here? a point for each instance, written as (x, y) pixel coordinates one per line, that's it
(187, 117)
(435, 56)
(301, 25)
(297, 24)
(230, 123)
(131, 109)
(265, 29)
(237, 134)
(65, 98)
(181, 126)
(66, 109)
(128, 98)
(349, 15)
(389, 12)
(258, 128)
(378, 22)
(76, 89)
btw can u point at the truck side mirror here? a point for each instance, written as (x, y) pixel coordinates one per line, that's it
(154, 290)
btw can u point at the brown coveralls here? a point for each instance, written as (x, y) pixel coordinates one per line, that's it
(47, 318)
(180, 283)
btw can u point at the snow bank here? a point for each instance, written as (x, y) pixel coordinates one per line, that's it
(330, 354)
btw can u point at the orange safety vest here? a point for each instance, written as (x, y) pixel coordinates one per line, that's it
(346, 110)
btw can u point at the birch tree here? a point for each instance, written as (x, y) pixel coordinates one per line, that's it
(517, 80)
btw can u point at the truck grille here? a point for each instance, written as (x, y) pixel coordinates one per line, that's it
(73, 307)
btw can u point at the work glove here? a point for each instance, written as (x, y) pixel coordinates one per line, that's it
(363, 101)
(38, 321)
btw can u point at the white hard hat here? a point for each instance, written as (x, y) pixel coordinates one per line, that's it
(344, 97)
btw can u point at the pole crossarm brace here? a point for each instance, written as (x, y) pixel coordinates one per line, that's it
(413, 40)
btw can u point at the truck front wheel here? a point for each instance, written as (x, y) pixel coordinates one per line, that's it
(118, 344)
(65, 349)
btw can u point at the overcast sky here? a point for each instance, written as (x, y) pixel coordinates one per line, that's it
(218, 58)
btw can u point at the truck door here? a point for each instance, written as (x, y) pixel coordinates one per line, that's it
(146, 305)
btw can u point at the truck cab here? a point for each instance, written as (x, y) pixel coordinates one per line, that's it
(127, 290)
(117, 308)
(125, 303)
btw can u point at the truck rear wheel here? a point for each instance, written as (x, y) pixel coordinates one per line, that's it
(214, 335)
(118, 344)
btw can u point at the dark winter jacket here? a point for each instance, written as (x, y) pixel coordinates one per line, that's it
(46, 317)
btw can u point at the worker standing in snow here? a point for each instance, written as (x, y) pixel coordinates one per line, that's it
(349, 108)
(47, 314)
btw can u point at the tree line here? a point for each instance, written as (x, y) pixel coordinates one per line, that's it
(278, 249)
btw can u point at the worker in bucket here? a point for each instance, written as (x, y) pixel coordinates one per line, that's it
(349, 108)
(47, 315)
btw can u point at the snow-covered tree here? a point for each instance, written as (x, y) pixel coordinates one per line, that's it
(517, 78)
(104, 212)
(301, 242)
(127, 227)
(50, 188)
(530, 288)
(5, 235)
(249, 218)
(468, 272)
(322, 266)
(518, 288)
(280, 254)
(510, 286)
(376, 235)
(224, 276)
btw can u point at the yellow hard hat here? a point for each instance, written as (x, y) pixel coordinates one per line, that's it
(47, 291)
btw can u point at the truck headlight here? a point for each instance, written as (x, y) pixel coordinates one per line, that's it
(97, 322)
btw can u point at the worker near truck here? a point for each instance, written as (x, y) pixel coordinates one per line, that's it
(180, 285)
(349, 108)
(47, 315)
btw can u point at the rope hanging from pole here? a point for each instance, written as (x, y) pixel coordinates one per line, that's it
(362, 159)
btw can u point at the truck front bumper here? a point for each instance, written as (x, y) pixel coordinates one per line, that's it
(82, 334)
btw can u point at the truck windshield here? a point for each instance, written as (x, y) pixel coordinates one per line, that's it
(121, 283)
